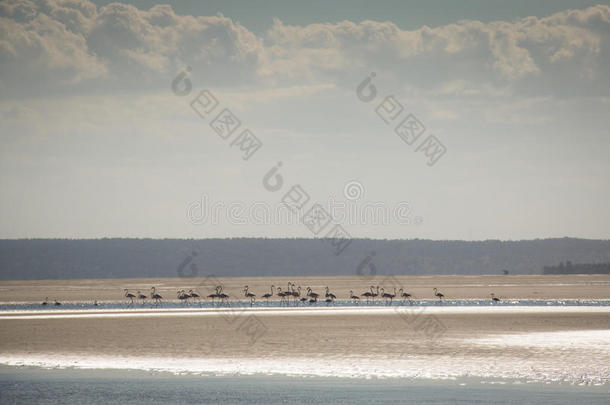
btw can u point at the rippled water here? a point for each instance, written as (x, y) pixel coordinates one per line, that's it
(26, 385)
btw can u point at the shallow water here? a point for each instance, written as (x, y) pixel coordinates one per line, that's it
(12, 306)
(31, 385)
(571, 356)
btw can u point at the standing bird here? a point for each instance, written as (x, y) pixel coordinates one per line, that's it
(329, 300)
(223, 297)
(269, 295)
(183, 296)
(312, 294)
(354, 298)
(375, 294)
(494, 298)
(45, 302)
(404, 295)
(329, 294)
(282, 295)
(289, 291)
(292, 293)
(155, 296)
(439, 295)
(129, 296)
(214, 295)
(248, 294)
(388, 295)
(194, 295)
(297, 295)
(368, 294)
(57, 303)
(141, 297)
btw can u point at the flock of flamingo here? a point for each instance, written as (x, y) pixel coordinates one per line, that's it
(291, 295)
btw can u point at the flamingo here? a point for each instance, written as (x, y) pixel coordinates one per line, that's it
(129, 296)
(194, 295)
(214, 295)
(288, 292)
(329, 300)
(223, 297)
(45, 302)
(155, 296)
(313, 300)
(494, 298)
(297, 295)
(292, 293)
(353, 297)
(439, 295)
(282, 295)
(57, 303)
(183, 296)
(141, 297)
(269, 295)
(375, 294)
(329, 294)
(368, 294)
(248, 294)
(312, 294)
(404, 295)
(388, 295)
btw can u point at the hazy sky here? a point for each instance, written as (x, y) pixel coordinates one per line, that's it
(97, 143)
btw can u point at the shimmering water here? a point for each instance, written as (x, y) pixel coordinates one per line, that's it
(7, 306)
(29, 386)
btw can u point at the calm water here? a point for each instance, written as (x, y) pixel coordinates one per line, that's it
(61, 386)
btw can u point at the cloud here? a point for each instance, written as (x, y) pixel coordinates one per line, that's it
(532, 54)
(74, 46)
(41, 51)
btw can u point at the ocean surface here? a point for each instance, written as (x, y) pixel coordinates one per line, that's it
(27, 385)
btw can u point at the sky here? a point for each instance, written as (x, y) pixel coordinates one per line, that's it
(393, 119)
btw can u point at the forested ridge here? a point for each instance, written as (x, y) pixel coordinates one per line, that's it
(29, 259)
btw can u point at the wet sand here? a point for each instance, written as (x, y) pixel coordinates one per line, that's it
(567, 344)
(386, 334)
(453, 287)
(559, 343)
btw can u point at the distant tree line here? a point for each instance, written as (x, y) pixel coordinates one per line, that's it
(28, 259)
(579, 268)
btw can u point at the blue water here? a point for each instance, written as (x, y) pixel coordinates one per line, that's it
(276, 304)
(26, 385)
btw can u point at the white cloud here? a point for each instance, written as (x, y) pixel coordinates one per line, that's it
(570, 47)
(69, 45)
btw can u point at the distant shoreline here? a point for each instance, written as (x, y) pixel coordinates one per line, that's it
(56, 259)
(420, 287)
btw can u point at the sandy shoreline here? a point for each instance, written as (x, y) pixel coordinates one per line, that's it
(541, 343)
(385, 332)
(544, 344)
(454, 287)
